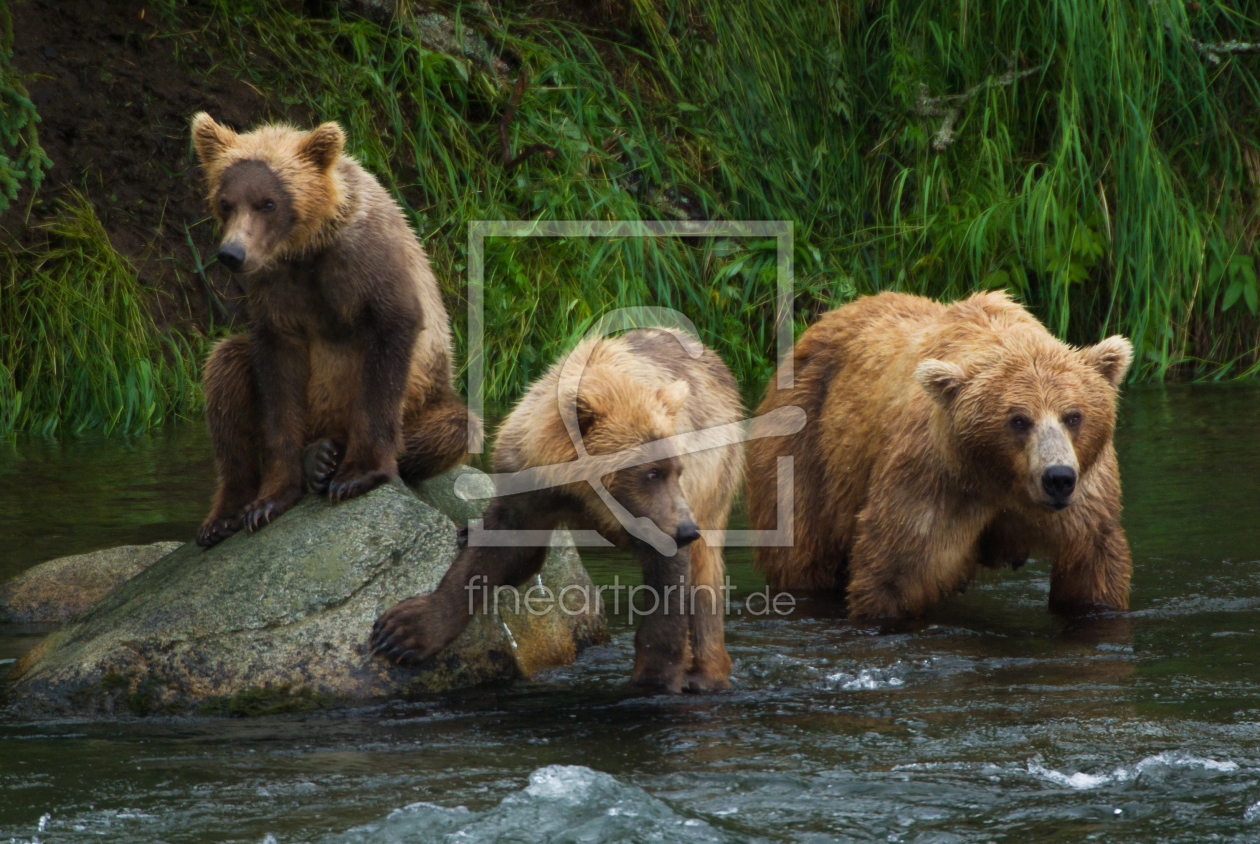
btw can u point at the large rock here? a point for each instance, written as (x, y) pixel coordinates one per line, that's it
(439, 493)
(58, 589)
(279, 620)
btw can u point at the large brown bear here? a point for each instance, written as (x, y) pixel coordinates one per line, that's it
(940, 438)
(348, 353)
(623, 397)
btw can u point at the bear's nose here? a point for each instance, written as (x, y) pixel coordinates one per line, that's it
(232, 256)
(687, 533)
(1059, 481)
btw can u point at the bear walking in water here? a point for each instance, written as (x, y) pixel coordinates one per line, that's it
(940, 438)
(347, 361)
(620, 396)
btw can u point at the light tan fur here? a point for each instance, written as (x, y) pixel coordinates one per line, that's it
(299, 159)
(911, 471)
(641, 395)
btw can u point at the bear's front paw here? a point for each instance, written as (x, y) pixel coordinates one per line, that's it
(216, 529)
(320, 463)
(413, 630)
(264, 511)
(349, 482)
(698, 682)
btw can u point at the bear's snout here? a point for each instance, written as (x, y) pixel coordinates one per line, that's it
(687, 534)
(232, 256)
(1059, 482)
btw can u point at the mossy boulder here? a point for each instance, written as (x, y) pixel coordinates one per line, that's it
(279, 620)
(57, 590)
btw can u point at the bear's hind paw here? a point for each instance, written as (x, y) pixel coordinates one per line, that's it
(319, 464)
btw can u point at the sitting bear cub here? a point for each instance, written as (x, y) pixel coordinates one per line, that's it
(348, 353)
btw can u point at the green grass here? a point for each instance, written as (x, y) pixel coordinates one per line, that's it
(427, 124)
(22, 159)
(1108, 188)
(1112, 187)
(78, 346)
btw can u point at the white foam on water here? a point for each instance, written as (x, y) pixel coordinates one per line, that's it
(1127, 773)
(1253, 812)
(1077, 780)
(561, 802)
(562, 782)
(868, 679)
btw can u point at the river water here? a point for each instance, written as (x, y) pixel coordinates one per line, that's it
(989, 721)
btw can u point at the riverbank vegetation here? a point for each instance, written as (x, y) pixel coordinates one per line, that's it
(1099, 161)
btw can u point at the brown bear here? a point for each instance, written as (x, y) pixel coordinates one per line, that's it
(348, 353)
(621, 397)
(939, 438)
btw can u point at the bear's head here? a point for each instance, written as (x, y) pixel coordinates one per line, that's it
(273, 190)
(1027, 413)
(616, 414)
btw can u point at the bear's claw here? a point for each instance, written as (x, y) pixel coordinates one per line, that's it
(264, 511)
(215, 531)
(259, 516)
(409, 632)
(349, 484)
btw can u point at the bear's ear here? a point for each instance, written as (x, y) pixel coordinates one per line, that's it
(210, 139)
(1111, 358)
(322, 146)
(674, 396)
(587, 414)
(940, 378)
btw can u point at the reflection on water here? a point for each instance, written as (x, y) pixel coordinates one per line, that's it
(60, 498)
(990, 720)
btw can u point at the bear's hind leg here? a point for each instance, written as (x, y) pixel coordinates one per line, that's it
(435, 438)
(232, 417)
(1005, 542)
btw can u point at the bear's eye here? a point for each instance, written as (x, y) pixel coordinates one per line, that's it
(267, 206)
(1073, 419)
(225, 207)
(653, 475)
(1020, 422)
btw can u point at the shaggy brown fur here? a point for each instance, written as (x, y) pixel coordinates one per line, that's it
(939, 438)
(348, 353)
(630, 390)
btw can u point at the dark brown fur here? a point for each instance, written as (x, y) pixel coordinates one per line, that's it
(348, 350)
(628, 391)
